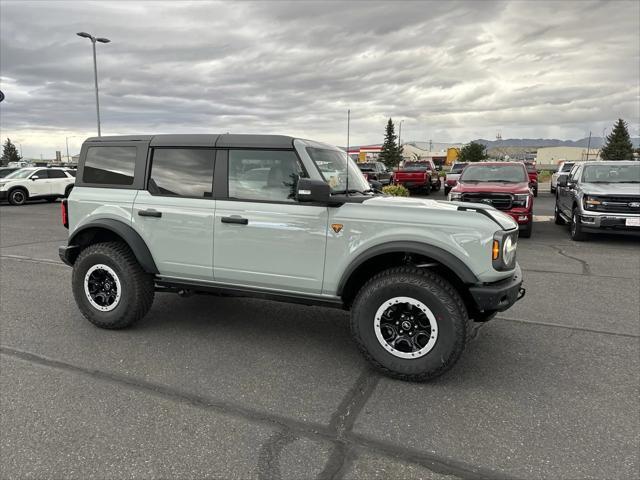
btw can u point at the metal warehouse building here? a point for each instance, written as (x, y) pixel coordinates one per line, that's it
(554, 155)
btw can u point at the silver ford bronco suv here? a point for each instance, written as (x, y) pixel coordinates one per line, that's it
(285, 219)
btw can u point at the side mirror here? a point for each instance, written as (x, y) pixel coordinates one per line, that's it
(309, 190)
(35, 177)
(562, 181)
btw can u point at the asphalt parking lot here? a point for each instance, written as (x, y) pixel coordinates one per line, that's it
(208, 387)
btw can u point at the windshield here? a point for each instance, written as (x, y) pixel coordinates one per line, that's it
(366, 168)
(415, 166)
(332, 165)
(566, 167)
(458, 167)
(23, 173)
(494, 173)
(611, 174)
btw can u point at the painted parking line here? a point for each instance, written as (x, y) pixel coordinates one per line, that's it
(542, 218)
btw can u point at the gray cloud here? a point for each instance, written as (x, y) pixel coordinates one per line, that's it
(452, 70)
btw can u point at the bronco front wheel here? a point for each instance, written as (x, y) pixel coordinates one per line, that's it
(410, 323)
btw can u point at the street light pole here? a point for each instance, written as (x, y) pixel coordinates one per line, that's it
(95, 70)
(400, 134)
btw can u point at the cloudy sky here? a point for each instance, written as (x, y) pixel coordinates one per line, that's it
(452, 71)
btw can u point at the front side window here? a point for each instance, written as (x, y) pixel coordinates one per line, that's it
(458, 167)
(333, 165)
(494, 173)
(264, 175)
(110, 165)
(41, 174)
(181, 172)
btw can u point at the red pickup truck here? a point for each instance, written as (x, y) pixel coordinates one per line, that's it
(503, 185)
(418, 176)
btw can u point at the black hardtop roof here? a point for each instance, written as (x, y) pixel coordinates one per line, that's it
(229, 140)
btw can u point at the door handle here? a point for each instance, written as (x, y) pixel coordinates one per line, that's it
(235, 219)
(149, 213)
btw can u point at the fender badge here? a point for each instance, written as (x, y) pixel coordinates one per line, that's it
(337, 227)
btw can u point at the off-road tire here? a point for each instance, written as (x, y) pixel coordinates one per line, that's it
(18, 196)
(575, 228)
(137, 286)
(557, 218)
(434, 292)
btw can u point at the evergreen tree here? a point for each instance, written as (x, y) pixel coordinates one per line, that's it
(390, 154)
(472, 152)
(9, 153)
(618, 145)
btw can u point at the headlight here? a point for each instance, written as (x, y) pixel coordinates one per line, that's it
(503, 251)
(521, 200)
(455, 196)
(591, 202)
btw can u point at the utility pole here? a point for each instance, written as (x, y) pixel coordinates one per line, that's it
(68, 158)
(430, 144)
(588, 146)
(400, 134)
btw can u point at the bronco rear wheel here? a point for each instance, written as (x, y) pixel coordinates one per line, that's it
(410, 323)
(110, 287)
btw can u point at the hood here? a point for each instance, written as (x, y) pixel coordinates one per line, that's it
(504, 221)
(610, 188)
(492, 187)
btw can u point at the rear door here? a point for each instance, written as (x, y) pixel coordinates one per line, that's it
(174, 214)
(263, 237)
(58, 180)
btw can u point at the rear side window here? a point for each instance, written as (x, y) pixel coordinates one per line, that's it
(110, 165)
(56, 174)
(181, 172)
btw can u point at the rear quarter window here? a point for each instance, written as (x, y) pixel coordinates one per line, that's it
(110, 165)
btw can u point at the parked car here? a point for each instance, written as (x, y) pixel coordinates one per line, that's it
(599, 196)
(503, 185)
(377, 171)
(563, 169)
(533, 178)
(34, 183)
(4, 171)
(418, 176)
(451, 179)
(174, 213)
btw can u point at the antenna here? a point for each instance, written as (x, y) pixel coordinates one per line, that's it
(347, 163)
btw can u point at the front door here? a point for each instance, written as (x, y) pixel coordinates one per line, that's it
(40, 184)
(566, 194)
(263, 237)
(174, 215)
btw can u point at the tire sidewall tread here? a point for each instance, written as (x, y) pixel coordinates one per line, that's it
(137, 286)
(443, 300)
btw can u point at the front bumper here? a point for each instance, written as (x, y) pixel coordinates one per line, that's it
(520, 215)
(68, 254)
(499, 296)
(609, 221)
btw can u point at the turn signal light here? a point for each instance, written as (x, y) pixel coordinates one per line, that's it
(495, 252)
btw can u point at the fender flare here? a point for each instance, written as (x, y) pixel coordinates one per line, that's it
(128, 234)
(447, 259)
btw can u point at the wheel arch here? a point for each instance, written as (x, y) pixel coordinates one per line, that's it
(18, 187)
(392, 254)
(113, 230)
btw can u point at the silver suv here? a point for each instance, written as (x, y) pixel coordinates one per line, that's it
(285, 219)
(599, 196)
